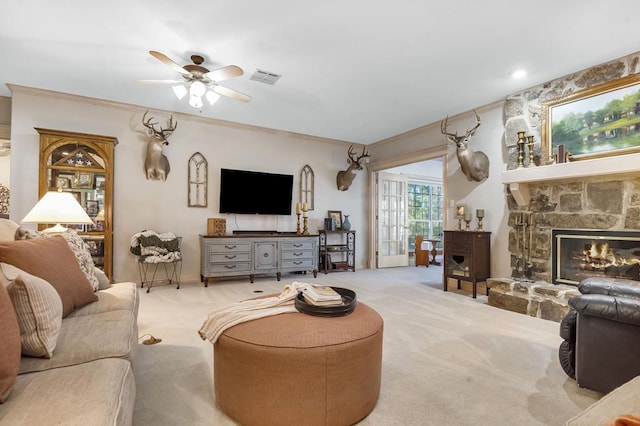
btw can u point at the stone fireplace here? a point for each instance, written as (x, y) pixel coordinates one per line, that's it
(599, 196)
(578, 254)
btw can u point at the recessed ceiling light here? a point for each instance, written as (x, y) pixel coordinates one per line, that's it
(517, 74)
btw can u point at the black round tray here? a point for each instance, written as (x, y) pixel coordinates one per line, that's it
(349, 302)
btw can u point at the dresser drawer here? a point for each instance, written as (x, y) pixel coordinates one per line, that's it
(297, 245)
(231, 247)
(230, 267)
(297, 254)
(458, 247)
(298, 263)
(229, 257)
(458, 237)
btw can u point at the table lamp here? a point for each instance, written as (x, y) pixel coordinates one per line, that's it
(57, 207)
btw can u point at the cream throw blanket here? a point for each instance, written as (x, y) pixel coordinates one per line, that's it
(247, 310)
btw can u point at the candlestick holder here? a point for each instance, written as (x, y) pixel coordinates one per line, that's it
(305, 231)
(460, 222)
(521, 141)
(530, 145)
(467, 226)
(480, 216)
(298, 224)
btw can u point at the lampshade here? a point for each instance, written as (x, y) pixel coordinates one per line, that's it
(57, 207)
(212, 97)
(195, 101)
(197, 89)
(180, 91)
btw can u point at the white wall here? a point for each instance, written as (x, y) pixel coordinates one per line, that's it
(5, 163)
(162, 206)
(488, 195)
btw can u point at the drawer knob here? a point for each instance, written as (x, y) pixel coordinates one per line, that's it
(230, 257)
(230, 247)
(230, 266)
(297, 245)
(297, 262)
(297, 254)
(266, 255)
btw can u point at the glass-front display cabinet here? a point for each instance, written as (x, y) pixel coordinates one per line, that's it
(82, 164)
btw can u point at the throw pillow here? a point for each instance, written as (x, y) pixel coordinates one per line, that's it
(103, 281)
(52, 260)
(10, 347)
(39, 311)
(80, 250)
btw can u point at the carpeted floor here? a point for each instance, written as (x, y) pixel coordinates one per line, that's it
(447, 359)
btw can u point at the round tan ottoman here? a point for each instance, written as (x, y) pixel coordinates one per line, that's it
(297, 369)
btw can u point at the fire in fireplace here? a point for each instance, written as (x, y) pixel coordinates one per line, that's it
(578, 254)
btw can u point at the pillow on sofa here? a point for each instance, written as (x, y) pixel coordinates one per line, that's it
(103, 281)
(7, 229)
(80, 250)
(52, 260)
(10, 348)
(39, 311)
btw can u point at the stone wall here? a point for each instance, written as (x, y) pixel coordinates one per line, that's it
(597, 203)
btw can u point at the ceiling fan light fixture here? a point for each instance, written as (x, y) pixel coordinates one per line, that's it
(180, 91)
(197, 89)
(195, 101)
(212, 97)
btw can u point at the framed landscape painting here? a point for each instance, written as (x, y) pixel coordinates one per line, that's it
(601, 121)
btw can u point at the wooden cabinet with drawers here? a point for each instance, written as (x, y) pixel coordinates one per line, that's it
(226, 256)
(467, 257)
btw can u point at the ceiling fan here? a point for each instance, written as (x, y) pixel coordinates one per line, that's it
(198, 81)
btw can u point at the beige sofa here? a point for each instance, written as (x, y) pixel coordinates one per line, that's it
(88, 380)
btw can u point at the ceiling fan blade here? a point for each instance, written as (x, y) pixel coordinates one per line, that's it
(225, 91)
(160, 81)
(224, 73)
(166, 60)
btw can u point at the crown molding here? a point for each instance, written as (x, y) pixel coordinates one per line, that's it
(426, 127)
(32, 91)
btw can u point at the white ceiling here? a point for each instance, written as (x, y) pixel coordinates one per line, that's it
(353, 70)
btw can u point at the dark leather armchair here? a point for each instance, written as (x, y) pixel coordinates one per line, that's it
(601, 332)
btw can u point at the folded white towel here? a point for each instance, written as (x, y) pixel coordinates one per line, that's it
(247, 310)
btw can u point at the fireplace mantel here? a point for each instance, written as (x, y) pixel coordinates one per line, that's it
(518, 179)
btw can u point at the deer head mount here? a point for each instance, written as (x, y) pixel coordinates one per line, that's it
(345, 177)
(474, 165)
(156, 164)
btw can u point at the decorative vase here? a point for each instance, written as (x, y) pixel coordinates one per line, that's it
(346, 225)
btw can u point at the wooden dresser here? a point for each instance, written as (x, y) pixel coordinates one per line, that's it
(257, 254)
(467, 257)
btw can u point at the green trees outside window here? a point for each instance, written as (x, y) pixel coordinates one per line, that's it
(426, 213)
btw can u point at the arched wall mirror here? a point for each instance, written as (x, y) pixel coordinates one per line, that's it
(306, 186)
(198, 174)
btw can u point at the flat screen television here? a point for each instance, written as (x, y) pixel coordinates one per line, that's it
(249, 192)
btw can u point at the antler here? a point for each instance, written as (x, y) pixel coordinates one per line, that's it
(350, 154)
(443, 128)
(469, 133)
(161, 134)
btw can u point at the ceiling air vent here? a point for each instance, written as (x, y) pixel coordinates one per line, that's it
(265, 77)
